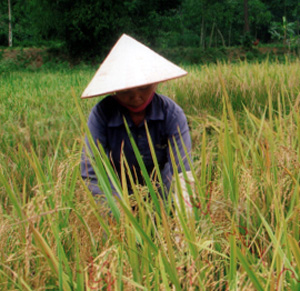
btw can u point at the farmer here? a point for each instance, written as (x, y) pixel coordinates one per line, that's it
(129, 76)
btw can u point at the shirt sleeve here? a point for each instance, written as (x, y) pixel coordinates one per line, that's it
(177, 129)
(97, 128)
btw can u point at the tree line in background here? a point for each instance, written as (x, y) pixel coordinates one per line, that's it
(90, 27)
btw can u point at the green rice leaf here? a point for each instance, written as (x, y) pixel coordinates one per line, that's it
(143, 169)
(249, 270)
(295, 250)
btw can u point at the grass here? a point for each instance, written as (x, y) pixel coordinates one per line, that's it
(242, 233)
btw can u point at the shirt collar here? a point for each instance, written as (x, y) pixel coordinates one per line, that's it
(153, 112)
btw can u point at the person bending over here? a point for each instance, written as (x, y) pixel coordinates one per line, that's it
(129, 76)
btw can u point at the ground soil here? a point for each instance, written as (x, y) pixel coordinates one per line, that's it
(32, 56)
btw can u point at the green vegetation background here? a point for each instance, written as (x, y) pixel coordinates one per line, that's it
(183, 29)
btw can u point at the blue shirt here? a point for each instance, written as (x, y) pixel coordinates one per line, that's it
(165, 119)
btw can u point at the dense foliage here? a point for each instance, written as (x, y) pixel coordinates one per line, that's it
(89, 28)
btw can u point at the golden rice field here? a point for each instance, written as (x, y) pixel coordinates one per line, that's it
(243, 232)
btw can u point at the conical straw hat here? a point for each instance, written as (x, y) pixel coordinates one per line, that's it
(130, 64)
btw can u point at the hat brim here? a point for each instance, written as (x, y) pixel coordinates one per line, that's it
(130, 64)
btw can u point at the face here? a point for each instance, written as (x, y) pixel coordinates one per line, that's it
(136, 97)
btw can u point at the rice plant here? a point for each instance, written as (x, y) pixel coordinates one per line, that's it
(242, 232)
